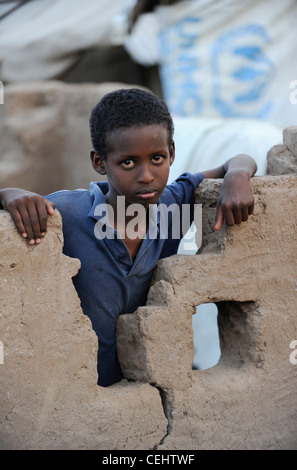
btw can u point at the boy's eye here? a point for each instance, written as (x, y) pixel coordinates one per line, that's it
(128, 163)
(157, 159)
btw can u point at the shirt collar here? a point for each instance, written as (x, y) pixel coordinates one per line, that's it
(98, 192)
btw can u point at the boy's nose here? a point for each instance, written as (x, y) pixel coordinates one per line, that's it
(145, 174)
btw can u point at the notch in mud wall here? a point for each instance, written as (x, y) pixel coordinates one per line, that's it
(239, 325)
(207, 350)
(225, 332)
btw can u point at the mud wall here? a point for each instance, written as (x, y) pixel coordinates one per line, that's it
(48, 393)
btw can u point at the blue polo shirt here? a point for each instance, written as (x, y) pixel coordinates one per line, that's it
(109, 282)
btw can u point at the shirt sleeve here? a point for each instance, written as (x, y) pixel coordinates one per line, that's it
(180, 197)
(182, 190)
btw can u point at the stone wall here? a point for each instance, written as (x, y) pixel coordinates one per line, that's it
(48, 393)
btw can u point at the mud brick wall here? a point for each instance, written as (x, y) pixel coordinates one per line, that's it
(49, 398)
(48, 393)
(247, 401)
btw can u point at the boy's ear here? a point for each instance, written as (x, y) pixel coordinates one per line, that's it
(172, 153)
(97, 162)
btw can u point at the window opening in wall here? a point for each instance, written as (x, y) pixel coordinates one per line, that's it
(225, 330)
(207, 350)
(192, 239)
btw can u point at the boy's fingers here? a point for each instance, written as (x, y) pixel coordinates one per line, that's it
(251, 208)
(233, 213)
(44, 209)
(244, 214)
(50, 206)
(31, 223)
(38, 215)
(219, 218)
(229, 215)
(30, 214)
(16, 217)
(26, 223)
(237, 216)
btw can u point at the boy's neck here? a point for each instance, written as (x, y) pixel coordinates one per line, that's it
(131, 222)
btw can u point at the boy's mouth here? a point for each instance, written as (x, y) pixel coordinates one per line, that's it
(147, 193)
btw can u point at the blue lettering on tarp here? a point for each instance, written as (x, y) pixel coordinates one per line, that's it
(183, 94)
(240, 74)
(253, 69)
(246, 74)
(250, 52)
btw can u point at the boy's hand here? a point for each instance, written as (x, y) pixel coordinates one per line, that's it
(29, 212)
(236, 201)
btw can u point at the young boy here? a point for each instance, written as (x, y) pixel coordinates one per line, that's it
(132, 136)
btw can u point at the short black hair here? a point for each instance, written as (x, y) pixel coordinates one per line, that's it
(124, 108)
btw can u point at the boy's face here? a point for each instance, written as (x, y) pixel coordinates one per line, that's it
(137, 164)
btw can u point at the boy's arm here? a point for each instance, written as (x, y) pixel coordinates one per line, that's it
(236, 201)
(29, 212)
